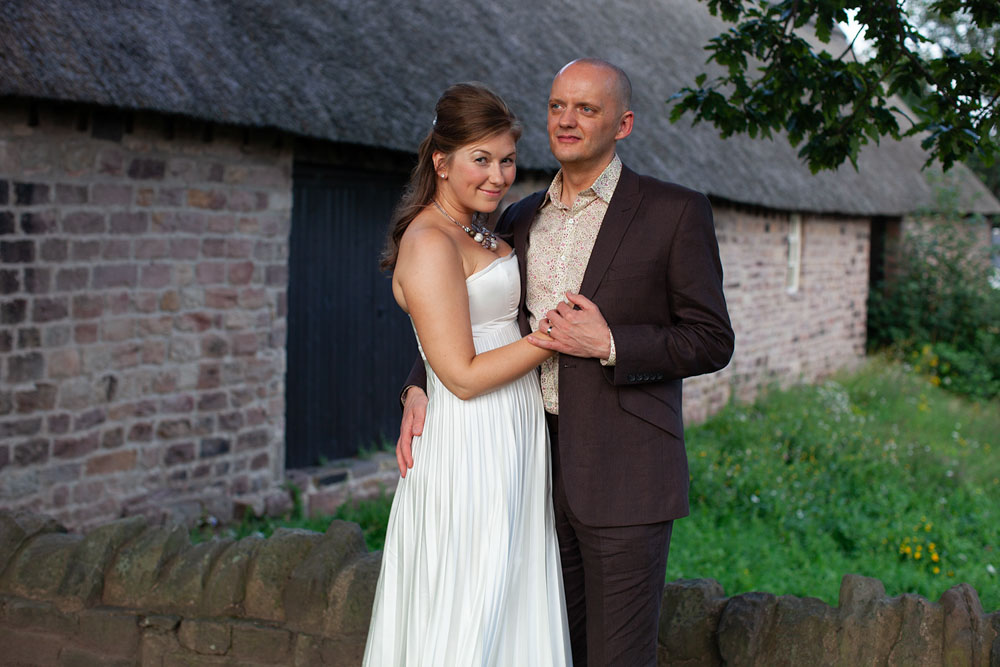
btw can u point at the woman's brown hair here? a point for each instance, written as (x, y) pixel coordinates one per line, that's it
(465, 113)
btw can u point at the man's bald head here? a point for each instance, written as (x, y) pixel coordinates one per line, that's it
(622, 84)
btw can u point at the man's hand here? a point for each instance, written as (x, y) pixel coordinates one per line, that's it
(414, 413)
(577, 329)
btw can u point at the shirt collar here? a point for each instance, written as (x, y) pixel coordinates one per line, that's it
(603, 187)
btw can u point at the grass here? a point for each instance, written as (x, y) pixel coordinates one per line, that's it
(879, 473)
(372, 515)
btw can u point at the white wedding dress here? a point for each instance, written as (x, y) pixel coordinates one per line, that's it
(470, 571)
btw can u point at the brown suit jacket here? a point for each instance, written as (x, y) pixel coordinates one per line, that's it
(656, 276)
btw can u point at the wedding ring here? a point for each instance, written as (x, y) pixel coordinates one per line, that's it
(548, 332)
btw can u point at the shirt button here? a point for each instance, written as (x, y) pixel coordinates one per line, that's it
(563, 257)
(571, 221)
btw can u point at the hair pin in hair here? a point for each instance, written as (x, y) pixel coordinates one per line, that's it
(434, 122)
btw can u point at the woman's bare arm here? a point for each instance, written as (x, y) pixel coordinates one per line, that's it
(430, 277)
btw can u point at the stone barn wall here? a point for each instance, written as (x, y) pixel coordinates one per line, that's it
(785, 337)
(143, 269)
(143, 266)
(127, 594)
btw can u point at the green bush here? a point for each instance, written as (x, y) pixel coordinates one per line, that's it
(936, 308)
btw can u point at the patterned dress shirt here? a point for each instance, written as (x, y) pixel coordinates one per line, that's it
(559, 248)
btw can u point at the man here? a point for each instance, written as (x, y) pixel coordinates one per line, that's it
(623, 272)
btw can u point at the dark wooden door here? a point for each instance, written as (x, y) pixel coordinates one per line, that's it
(349, 345)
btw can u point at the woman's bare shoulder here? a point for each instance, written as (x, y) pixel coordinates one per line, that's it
(425, 243)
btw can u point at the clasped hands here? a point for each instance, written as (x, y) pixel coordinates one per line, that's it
(576, 328)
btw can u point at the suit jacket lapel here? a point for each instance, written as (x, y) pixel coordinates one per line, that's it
(621, 210)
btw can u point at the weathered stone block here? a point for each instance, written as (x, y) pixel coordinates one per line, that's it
(49, 310)
(84, 223)
(181, 587)
(75, 447)
(309, 595)
(39, 566)
(39, 616)
(30, 194)
(71, 194)
(16, 528)
(205, 637)
(109, 463)
(21, 427)
(111, 194)
(689, 618)
(72, 656)
(271, 568)
(145, 169)
(21, 647)
(968, 635)
(180, 453)
(353, 593)
(31, 452)
(84, 578)
(116, 633)
(225, 589)
(139, 563)
(13, 312)
(10, 281)
(37, 280)
(870, 622)
(268, 645)
(129, 223)
(804, 632)
(29, 338)
(54, 250)
(743, 625)
(920, 633)
(120, 275)
(38, 223)
(159, 622)
(71, 280)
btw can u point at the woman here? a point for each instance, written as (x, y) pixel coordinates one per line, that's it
(470, 569)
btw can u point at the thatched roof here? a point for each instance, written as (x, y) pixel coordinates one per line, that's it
(369, 72)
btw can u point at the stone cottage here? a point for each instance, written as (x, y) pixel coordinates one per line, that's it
(193, 196)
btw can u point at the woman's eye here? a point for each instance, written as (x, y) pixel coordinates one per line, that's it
(481, 160)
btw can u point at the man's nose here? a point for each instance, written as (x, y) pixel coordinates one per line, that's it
(567, 118)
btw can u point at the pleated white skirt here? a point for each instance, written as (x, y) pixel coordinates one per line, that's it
(470, 571)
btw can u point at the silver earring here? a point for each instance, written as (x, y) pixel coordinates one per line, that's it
(442, 174)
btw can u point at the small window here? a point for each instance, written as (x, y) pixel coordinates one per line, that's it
(794, 268)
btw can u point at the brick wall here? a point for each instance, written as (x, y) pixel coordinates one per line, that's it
(784, 337)
(142, 312)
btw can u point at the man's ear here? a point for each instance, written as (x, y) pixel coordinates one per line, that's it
(625, 125)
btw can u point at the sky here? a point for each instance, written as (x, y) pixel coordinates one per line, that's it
(851, 29)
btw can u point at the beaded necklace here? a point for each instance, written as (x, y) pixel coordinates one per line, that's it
(477, 232)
